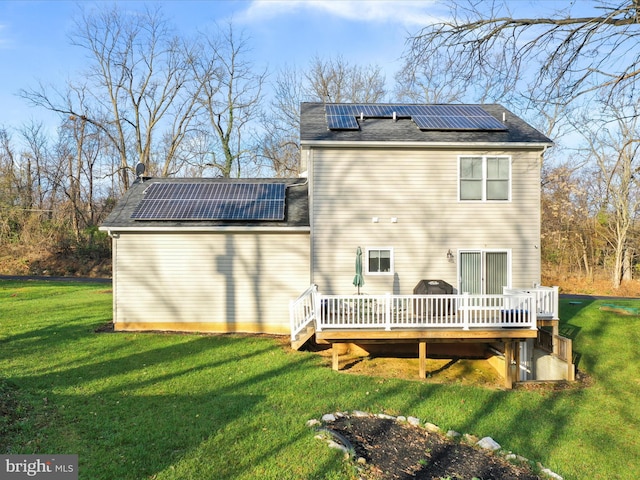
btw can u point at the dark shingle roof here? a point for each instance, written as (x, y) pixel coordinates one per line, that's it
(296, 209)
(313, 128)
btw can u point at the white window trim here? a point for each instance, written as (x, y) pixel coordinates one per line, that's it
(484, 178)
(391, 260)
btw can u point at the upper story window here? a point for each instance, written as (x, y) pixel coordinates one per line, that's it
(379, 261)
(485, 178)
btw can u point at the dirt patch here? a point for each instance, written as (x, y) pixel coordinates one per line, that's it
(397, 451)
(456, 370)
(461, 371)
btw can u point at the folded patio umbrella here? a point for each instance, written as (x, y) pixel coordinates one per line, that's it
(358, 280)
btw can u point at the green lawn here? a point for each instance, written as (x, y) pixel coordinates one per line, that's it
(170, 406)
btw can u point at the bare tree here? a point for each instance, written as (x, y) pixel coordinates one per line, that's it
(230, 93)
(614, 144)
(336, 81)
(332, 80)
(135, 83)
(280, 144)
(564, 56)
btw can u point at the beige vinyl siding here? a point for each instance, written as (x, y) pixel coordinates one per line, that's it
(420, 189)
(232, 282)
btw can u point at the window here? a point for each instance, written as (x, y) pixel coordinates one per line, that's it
(379, 261)
(485, 178)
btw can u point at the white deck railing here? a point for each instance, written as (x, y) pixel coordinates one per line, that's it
(464, 312)
(547, 300)
(302, 311)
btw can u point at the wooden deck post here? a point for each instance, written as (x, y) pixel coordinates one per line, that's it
(508, 357)
(422, 358)
(516, 356)
(334, 357)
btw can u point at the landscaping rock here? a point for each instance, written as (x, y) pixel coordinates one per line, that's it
(337, 446)
(328, 418)
(551, 474)
(431, 428)
(489, 443)
(312, 423)
(384, 416)
(413, 421)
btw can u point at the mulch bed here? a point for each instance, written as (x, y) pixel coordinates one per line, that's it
(394, 450)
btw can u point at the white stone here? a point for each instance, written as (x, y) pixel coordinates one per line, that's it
(358, 413)
(337, 446)
(413, 421)
(401, 418)
(551, 474)
(431, 428)
(453, 434)
(328, 418)
(384, 416)
(313, 422)
(489, 443)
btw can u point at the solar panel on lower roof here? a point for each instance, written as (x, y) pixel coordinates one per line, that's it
(212, 201)
(426, 117)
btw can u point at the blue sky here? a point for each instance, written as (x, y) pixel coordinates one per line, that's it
(34, 43)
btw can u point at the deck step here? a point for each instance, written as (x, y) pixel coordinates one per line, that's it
(302, 337)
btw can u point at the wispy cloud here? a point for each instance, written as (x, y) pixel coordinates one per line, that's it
(409, 13)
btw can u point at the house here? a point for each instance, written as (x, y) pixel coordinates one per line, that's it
(445, 195)
(177, 266)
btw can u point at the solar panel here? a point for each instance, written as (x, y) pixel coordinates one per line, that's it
(212, 201)
(426, 117)
(342, 122)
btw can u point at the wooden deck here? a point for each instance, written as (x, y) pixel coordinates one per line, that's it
(509, 337)
(430, 335)
(423, 319)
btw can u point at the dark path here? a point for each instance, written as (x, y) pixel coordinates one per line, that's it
(21, 278)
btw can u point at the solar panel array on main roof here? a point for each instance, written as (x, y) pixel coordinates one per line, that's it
(426, 117)
(212, 201)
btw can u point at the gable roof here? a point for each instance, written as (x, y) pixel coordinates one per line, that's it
(296, 214)
(404, 130)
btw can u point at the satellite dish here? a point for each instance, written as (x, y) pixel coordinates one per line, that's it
(140, 168)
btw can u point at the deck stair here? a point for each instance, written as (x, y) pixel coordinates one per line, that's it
(303, 337)
(302, 313)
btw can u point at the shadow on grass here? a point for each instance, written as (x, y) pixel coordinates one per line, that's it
(132, 414)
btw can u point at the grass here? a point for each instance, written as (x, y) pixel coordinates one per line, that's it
(172, 406)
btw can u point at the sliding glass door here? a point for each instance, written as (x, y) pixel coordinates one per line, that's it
(483, 271)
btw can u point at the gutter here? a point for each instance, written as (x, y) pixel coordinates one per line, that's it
(114, 232)
(379, 144)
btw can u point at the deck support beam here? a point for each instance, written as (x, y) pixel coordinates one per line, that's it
(422, 358)
(511, 363)
(335, 352)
